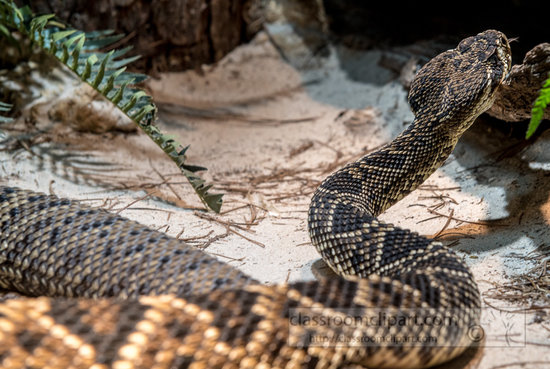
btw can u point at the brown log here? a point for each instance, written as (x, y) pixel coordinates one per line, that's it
(519, 91)
(170, 35)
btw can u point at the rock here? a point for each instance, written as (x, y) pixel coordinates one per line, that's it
(516, 96)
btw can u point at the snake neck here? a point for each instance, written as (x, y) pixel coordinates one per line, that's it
(380, 179)
(421, 151)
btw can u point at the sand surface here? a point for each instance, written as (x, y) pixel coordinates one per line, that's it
(269, 133)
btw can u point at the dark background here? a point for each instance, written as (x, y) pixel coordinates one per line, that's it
(387, 23)
(183, 34)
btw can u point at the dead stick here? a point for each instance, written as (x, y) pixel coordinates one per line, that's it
(468, 221)
(246, 238)
(136, 201)
(449, 218)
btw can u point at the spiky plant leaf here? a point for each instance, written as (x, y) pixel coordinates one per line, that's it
(4, 108)
(539, 106)
(101, 71)
(111, 84)
(76, 53)
(123, 62)
(117, 97)
(100, 33)
(5, 32)
(133, 101)
(57, 36)
(103, 41)
(142, 112)
(105, 72)
(92, 59)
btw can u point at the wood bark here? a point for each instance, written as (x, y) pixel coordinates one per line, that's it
(170, 35)
(517, 94)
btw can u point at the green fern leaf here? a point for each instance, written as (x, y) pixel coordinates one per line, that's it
(76, 52)
(37, 24)
(123, 62)
(106, 73)
(4, 108)
(121, 52)
(111, 82)
(92, 59)
(137, 117)
(539, 107)
(135, 77)
(117, 98)
(58, 36)
(133, 101)
(101, 72)
(102, 42)
(5, 32)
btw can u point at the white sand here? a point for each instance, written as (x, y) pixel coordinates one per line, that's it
(267, 132)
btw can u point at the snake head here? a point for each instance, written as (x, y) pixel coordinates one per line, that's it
(459, 84)
(490, 48)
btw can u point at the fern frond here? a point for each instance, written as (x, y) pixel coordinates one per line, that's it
(106, 73)
(4, 108)
(538, 108)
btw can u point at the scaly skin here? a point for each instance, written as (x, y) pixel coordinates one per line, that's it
(208, 314)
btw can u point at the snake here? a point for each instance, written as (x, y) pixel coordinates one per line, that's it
(101, 291)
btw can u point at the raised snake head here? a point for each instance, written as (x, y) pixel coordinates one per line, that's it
(455, 87)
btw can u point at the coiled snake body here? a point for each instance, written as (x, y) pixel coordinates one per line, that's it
(210, 315)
